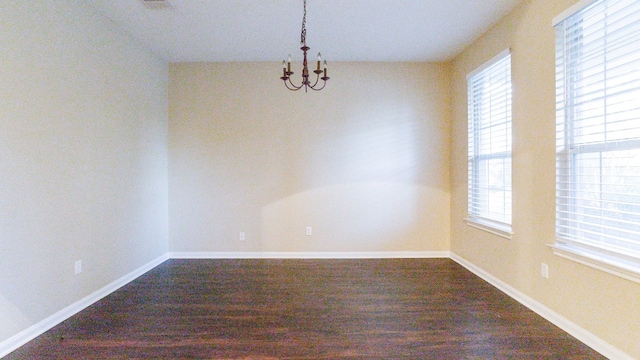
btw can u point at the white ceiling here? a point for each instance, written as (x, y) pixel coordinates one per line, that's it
(343, 30)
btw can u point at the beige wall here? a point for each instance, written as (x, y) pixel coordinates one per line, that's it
(605, 305)
(364, 161)
(83, 117)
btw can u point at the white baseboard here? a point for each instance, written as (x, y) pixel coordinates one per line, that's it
(311, 255)
(563, 323)
(39, 328)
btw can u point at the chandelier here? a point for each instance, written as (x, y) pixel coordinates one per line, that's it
(286, 66)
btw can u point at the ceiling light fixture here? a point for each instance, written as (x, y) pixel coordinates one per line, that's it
(286, 66)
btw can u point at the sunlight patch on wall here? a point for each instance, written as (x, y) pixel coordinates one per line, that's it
(376, 146)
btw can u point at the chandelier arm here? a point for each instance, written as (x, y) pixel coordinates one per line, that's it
(318, 89)
(290, 88)
(293, 86)
(317, 80)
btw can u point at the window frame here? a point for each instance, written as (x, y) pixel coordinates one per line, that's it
(475, 158)
(604, 256)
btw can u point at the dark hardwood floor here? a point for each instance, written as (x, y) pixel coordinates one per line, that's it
(306, 309)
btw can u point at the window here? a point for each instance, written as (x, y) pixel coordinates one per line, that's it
(489, 166)
(598, 136)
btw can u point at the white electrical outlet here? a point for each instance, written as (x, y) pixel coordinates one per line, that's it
(242, 237)
(544, 270)
(78, 266)
(309, 231)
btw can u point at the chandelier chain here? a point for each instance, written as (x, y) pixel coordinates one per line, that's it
(303, 33)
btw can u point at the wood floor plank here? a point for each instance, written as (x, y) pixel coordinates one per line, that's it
(306, 309)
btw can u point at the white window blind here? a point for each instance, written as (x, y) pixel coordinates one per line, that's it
(598, 132)
(489, 147)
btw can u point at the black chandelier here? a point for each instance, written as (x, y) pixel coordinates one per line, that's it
(286, 66)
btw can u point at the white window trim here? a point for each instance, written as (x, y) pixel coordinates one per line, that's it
(582, 4)
(597, 260)
(490, 226)
(489, 63)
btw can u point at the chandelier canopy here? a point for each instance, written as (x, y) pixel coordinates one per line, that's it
(286, 66)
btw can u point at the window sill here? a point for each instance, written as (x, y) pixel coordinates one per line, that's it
(612, 265)
(489, 226)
